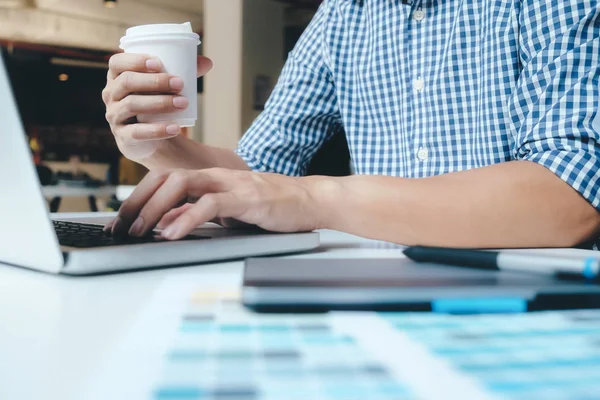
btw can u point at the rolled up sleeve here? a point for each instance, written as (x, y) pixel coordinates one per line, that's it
(555, 106)
(302, 112)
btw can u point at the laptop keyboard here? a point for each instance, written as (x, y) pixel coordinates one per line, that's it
(79, 235)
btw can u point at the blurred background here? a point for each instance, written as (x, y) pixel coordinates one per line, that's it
(57, 54)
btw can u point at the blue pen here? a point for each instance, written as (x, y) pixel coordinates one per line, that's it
(585, 268)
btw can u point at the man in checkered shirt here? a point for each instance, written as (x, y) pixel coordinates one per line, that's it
(469, 122)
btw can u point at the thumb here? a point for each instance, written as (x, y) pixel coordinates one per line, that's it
(204, 65)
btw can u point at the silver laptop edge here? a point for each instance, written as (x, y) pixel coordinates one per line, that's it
(28, 239)
(27, 236)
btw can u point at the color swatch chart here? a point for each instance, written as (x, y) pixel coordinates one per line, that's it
(195, 341)
(549, 355)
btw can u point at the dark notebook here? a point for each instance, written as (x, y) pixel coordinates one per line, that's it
(307, 284)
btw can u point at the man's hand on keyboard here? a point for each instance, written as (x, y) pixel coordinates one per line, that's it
(270, 201)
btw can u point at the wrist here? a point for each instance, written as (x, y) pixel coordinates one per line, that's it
(324, 197)
(166, 151)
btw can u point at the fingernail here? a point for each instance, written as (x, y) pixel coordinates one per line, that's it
(171, 231)
(173, 130)
(118, 227)
(153, 64)
(137, 229)
(180, 102)
(108, 227)
(176, 84)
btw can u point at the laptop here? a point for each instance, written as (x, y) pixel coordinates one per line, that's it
(31, 238)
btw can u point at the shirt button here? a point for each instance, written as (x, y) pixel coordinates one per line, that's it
(423, 154)
(419, 85)
(419, 15)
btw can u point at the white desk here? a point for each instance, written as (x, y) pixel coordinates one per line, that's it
(55, 330)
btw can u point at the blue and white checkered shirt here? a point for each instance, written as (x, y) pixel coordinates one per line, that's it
(439, 86)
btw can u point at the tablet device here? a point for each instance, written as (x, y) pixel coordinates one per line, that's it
(315, 285)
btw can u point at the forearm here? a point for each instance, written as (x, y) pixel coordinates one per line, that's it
(516, 204)
(183, 153)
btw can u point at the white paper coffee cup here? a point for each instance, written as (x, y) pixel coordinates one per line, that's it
(175, 45)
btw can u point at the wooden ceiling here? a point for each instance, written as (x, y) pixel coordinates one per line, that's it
(87, 23)
(128, 12)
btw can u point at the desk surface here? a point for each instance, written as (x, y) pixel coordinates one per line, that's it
(54, 330)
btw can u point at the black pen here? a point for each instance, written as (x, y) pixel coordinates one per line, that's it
(587, 268)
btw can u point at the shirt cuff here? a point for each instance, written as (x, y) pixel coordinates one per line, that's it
(257, 165)
(579, 169)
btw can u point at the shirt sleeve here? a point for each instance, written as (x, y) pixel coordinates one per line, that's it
(554, 107)
(302, 112)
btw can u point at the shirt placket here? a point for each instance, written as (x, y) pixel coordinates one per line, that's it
(406, 122)
(419, 151)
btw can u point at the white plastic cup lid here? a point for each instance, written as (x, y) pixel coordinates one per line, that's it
(159, 31)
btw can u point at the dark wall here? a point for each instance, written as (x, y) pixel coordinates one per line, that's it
(44, 100)
(67, 117)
